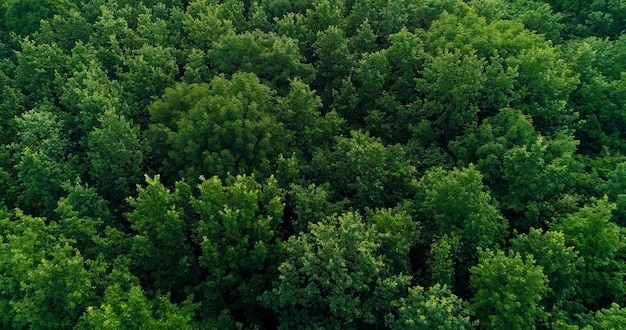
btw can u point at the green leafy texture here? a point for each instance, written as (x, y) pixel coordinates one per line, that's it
(88, 94)
(279, 8)
(40, 72)
(40, 178)
(41, 130)
(560, 265)
(196, 69)
(23, 16)
(154, 30)
(433, 308)
(226, 127)
(528, 173)
(333, 61)
(398, 234)
(257, 18)
(84, 217)
(65, 30)
(536, 15)
(457, 202)
(613, 317)
(334, 277)
(324, 14)
(205, 22)
(525, 72)
(599, 242)
(45, 282)
(616, 189)
(302, 114)
(11, 105)
(295, 27)
(162, 250)
(273, 58)
(442, 258)
(364, 40)
(366, 172)
(310, 204)
(237, 232)
(586, 18)
(111, 37)
(125, 306)
(452, 83)
(508, 291)
(599, 97)
(115, 157)
(151, 69)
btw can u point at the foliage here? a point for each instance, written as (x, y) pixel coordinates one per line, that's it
(434, 308)
(334, 277)
(260, 164)
(508, 291)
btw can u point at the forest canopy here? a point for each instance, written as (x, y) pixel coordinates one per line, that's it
(322, 164)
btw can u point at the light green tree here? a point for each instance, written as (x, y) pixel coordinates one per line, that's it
(431, 308)
(508, 291)
(334, 277)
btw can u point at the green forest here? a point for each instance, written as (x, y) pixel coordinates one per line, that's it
(313, 164)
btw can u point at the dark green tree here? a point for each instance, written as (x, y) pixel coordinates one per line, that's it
(238, 234)
(273, 58)
(23, 16)
(560, 265)
(366, 172)
(163, 255)
(229, 126)
(115, 157)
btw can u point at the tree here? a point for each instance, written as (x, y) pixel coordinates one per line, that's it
(23, 16)
(126, 306)
(334, 62)
(229, 126)
(205, 22)
(275, 59)
(366, 172)
(10, 107)
(528, 173)
(115, 157)
(613, 317)
(599, 242)
(508, 290)
(238, 235)
(432, 308)
(334, 277)
(40, 178)
(301, 112)
(457, 202)
(163, 250)
(88, 94)
(151, 69)
(560, 265)
(40, 72)
(42, 131)
(45, 283)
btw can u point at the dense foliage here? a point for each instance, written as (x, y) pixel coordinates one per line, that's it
(323, 164)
